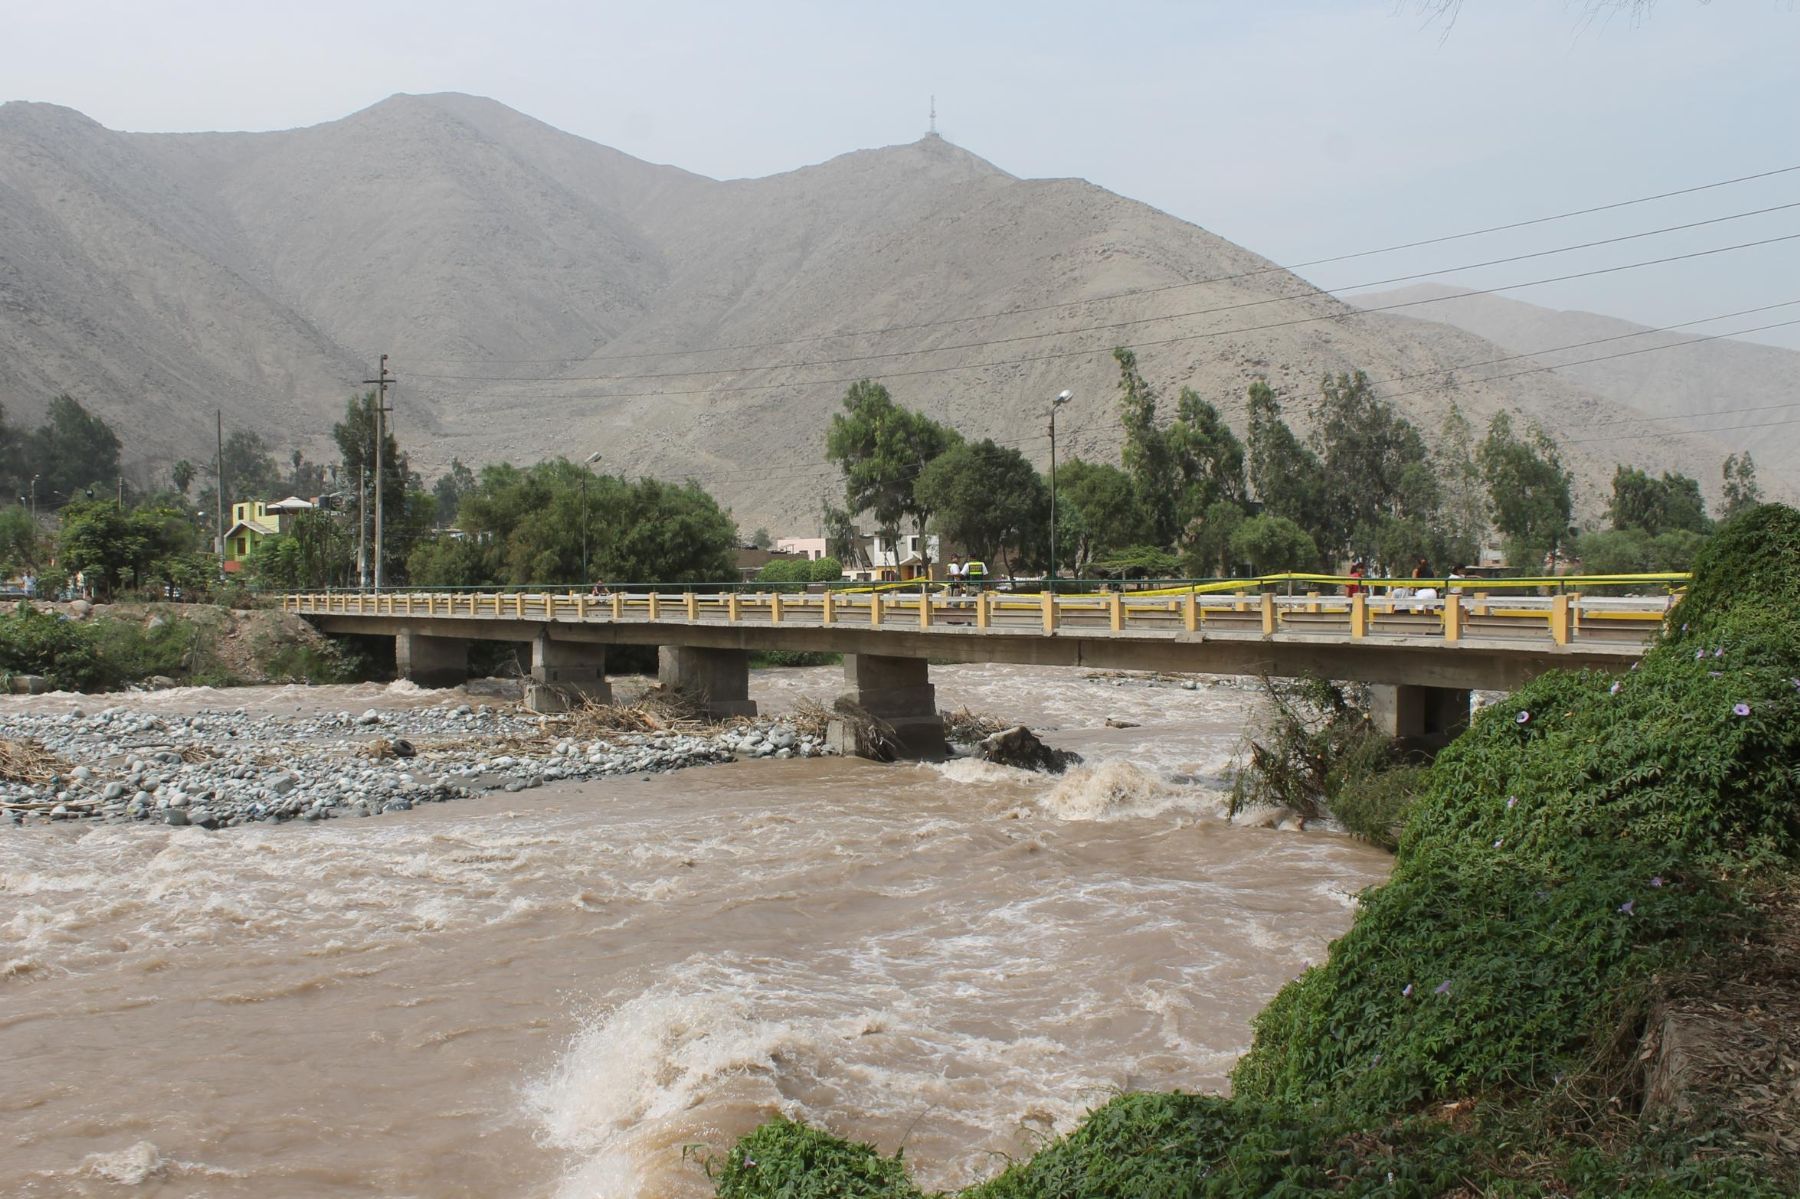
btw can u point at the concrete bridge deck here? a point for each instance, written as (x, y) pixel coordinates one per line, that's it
(1429, 653)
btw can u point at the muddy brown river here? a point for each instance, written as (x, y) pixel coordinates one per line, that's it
(565, 991)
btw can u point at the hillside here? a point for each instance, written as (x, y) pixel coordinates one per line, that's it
(541, 294)
(1748, 386)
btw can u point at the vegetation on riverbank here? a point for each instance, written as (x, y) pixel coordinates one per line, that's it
(190, 644)
(1591, 913)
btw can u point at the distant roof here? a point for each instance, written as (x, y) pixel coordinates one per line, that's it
(292, 504)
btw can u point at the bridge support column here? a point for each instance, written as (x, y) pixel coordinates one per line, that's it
(720, 678)
(431, 661)
(898, 692)
(565, 673)
(1430, 715)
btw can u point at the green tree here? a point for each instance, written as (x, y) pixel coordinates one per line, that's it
(1208, 457)
(1288, 478)
(182, 474)
(987, 498)
(1741, 491)
(882, 450)
(1375, 464)
(449, 490)
(72, 449)
(841, 539)
(1273, 543)
(1098, 513)
(1529, 489)
(98, 539)
(529, 526)
(250, 471)
(21, 540)
(1206, 542)
(1656, 505)
(1463, 510)
(1147, 453)
(761, 539)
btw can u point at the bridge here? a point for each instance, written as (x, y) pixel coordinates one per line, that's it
(1421, 658)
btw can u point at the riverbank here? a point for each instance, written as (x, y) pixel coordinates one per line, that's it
(1578, 981)
(80, 646)
(109, 759)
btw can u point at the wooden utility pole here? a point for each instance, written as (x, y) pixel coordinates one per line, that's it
(362, 527)
(219, 480)
(381, 383)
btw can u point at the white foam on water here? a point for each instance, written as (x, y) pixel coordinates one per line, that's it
(1120, 791)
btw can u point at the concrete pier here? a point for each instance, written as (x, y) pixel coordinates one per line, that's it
(898, 692)
(564, 674)
(432, 661)
(1430, 716)
(719, 678)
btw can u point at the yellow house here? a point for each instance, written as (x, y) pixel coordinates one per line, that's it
(253, 520)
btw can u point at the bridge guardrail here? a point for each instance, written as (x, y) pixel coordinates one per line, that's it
(1475, 614)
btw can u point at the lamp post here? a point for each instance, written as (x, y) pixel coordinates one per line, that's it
(591, 459)
(1062, 398)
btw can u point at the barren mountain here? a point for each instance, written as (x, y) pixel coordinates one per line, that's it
(1684, 379)
(541, 294)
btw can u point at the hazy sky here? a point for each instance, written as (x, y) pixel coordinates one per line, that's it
(1300, 130)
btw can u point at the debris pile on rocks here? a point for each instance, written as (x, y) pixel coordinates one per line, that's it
(1019, 747)
(220, 768)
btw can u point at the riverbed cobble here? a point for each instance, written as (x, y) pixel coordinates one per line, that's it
(218, 768)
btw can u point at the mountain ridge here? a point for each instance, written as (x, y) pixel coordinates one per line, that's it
(539, 293)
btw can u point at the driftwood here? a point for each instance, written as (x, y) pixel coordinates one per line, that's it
(27, 761)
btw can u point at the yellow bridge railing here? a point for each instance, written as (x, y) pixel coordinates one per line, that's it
(1465, 615)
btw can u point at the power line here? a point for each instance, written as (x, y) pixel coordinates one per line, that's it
(1142, 320)
(1058, 355)
(1133, 292)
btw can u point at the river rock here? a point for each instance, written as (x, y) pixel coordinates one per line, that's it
(1018, 747)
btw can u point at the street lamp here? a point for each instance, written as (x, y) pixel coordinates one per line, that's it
(590, 460)
(1062, 398)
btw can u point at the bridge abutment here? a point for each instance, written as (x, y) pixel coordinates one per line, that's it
(564, 674)
(1428, 715)
(898, 692)
(719, 678)
(432, 661)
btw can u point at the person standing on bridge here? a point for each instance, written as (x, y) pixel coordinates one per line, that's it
(1357, 570)
(975, 573)
(955, 571)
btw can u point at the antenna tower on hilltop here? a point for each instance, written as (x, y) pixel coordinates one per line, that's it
(932, 130)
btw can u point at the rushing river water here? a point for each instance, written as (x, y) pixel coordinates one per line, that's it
(556, 992)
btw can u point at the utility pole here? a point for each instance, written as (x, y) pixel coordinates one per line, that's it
(362, 528)
(1061, 399)
(219, 481)
(381, 383)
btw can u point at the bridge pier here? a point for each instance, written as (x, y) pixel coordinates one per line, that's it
(1430, 715)
(432, 661)
(719, 678)
(565, 673)
(898, 692)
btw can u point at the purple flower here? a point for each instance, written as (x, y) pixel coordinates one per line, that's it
(1407, 992)
(1499, 842)
(1443, 988)
(1522, 718)
(1614, 689)
(1718, 651)
(1634, 666)
(1657, 881)
(1628, 906)
(1740, 709)
(1715, 674)
(1699, 654)
(1512, 801)
(1684, 626)
(1796, 683)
